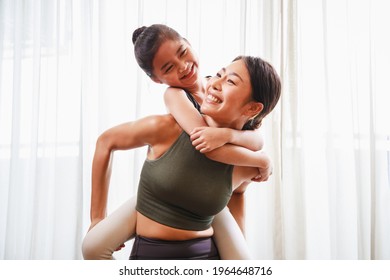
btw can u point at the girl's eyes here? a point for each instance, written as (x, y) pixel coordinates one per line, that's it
(168, 69)
(183, 52)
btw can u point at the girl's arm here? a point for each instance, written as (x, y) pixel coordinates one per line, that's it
(181, 108)
(203, 138)
(192, 122)
(251, 139)
(239, 156)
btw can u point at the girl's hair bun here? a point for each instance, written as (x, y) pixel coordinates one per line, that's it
(138, 32)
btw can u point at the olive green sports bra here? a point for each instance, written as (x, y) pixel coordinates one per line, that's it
(183, 188)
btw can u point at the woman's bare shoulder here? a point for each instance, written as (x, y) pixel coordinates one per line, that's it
(161, 121)
(163, 125)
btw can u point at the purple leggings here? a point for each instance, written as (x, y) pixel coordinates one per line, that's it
(155, 249)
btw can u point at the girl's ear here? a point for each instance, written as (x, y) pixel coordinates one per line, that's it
(254, 109)
(156, 80)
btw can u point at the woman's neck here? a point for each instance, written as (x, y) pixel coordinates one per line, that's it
(212, 122)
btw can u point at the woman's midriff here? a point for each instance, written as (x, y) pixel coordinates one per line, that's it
(151, 229)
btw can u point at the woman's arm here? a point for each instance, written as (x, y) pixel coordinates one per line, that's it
(101, 174)
(236, 206)
(126, 136)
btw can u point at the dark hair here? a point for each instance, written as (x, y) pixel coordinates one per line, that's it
(266, 87)
(147, 41)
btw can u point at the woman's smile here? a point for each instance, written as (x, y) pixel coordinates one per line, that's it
(211, 98)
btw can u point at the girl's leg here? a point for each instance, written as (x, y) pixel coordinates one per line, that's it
(230, 241)
(106, 236)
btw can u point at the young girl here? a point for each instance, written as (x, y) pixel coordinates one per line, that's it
(168, 58)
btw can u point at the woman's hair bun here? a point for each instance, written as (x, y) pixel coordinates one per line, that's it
(138, 32)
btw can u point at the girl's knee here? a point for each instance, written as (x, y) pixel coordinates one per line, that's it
(94, 248)
(88, 248)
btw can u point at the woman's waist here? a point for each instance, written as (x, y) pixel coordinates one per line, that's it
(152, 229)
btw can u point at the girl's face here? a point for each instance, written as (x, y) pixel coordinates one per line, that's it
(175, 64)
(228, 98)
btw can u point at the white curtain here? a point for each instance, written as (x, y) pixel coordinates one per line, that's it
(335, 136)
(67, 73)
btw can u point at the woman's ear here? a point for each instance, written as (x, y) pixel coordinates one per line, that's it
(254, 109)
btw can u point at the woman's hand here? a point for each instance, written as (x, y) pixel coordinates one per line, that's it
(264, 174)
(206, 139)
(120, 247)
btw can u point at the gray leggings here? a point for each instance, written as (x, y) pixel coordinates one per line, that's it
(155, 249)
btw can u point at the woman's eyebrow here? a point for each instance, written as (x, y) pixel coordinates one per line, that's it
(232, 73)
(235, 74)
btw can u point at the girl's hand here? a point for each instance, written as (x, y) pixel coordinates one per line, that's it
(206, 139)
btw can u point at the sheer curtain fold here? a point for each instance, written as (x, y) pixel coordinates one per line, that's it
(67, 73)
(291, 161)
(41, 136)
(339, 128)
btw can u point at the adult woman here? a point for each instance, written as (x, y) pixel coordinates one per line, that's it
(238, 94)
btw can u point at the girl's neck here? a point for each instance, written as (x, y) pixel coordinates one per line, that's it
(197, 90)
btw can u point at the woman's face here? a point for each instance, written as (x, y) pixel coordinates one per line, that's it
(175, 64)
(228, 100)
